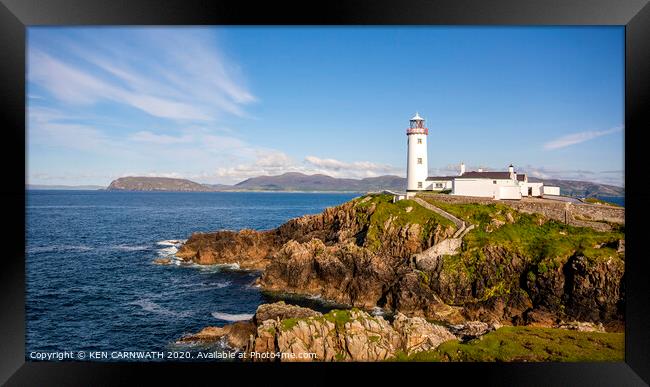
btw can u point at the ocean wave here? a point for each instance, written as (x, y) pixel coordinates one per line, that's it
(217, 267)
(168, 251)
(232, 266)
(202, 287)
(131, 248)
(150, 306)
(81, 248)
(232, 317)
(216, 285)
(171, 242)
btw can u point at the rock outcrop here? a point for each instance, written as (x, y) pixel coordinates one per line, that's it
(345, 273)
(248, 248)
(281, 311)
(371, 252)
(340, 335)
(236, 335)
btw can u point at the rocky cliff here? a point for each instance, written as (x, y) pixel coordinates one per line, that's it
(512, 267)
(282, 332)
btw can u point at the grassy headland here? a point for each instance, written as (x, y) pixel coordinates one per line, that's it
(529, 344)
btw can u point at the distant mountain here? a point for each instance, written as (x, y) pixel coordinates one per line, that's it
(65, 187)
(294, 181)
(583, 189)
(141, 183)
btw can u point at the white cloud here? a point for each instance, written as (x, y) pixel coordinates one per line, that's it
(152, 138)
(274, 160)
(354, 169)
(577, 138)
(177, 73)
(66, 83)
(271, 163)
(74, 86)
(160, 107)
(604, 177)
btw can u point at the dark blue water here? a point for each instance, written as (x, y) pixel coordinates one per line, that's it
(91, 281)
(620, 200)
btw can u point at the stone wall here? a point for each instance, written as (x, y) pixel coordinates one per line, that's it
(582, 215)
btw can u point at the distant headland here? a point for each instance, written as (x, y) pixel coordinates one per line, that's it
(295, 181)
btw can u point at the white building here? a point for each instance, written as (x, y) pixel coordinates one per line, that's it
(416, 165)
(495, 185)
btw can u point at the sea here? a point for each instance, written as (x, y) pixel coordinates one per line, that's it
(92, 287)
(620, 200)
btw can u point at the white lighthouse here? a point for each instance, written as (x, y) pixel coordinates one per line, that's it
(417, 168)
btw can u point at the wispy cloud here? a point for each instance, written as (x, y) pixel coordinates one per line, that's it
(146, 101)
(177, 74)
(577, 138)
(350, 169)
(144, 153)
(615, 178)
(152, 138)
(270, 163)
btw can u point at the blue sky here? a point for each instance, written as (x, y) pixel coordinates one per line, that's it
(221, 104)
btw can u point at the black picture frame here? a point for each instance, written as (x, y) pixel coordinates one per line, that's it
(16, 15)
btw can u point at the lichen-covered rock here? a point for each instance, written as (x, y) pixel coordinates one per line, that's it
(472, 329)
(237, 334)
(280, 311)
(581, 326)
(417, 334)
(592, 289)
(345, 335)
(412, 295)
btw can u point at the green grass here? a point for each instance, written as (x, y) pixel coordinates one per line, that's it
(543, 247)
(509, 344)
(338, 317)
(526, 236)
(288, 324)
(479, 214)
(384, 210)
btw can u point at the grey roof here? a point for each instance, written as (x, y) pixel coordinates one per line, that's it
(448, 178)
(485, 175)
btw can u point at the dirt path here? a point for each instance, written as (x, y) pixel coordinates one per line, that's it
(428, 259)
(460, 225)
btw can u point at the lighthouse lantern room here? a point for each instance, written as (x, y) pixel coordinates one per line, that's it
(416, 167)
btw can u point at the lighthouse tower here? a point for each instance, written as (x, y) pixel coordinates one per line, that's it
(417, 168)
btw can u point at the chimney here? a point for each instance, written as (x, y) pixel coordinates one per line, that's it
(462, 168)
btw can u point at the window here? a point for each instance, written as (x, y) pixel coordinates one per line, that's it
(438, 185)
(419, 141)
(494, 181)
(419, 184)
(419, 160)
